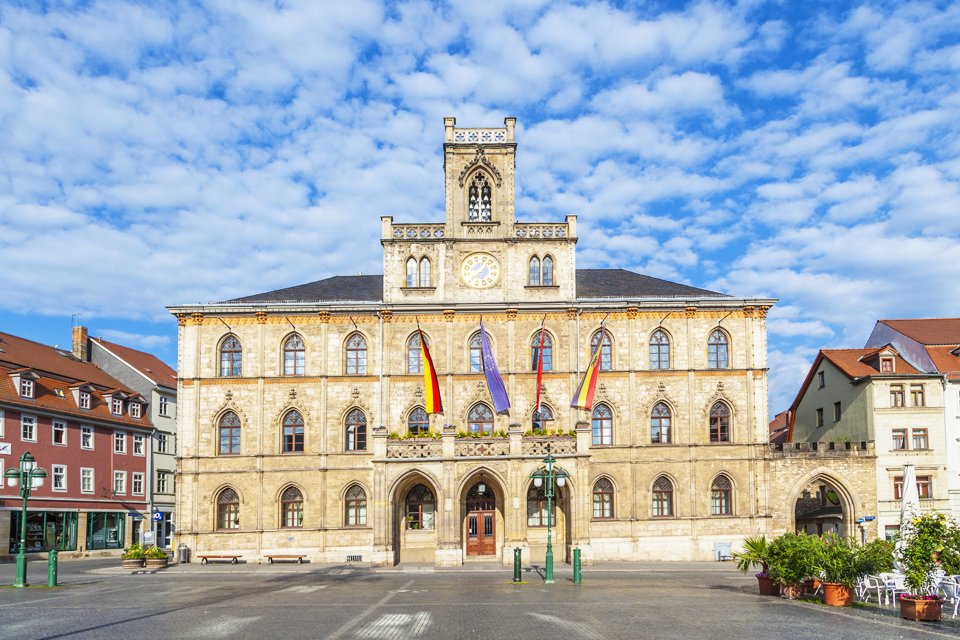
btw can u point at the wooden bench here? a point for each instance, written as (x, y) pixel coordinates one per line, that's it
(230, 558)
(292, 557)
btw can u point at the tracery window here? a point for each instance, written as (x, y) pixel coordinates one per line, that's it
(659, 350)
(293, 432)
(228, 509)
(356, 355)
(229, 434)
(534, 280)
(231, 355)
(602, 425)
(424, 272)
(418, 422)
(414, 357)
(479, 209)
(719, 422)
(291, 505)
(420, 508)
(356, 428)
(537, 505)
(660, 424)
(540, 272)
(411, 272)
(476, 353)
(355, 506)
(720, 496)
(480, 419)
(662, 497)
(717, 350)
(546, 278)
(293, 356)
(547, 351)
(606, 352)
(603, 499)
(541, 418)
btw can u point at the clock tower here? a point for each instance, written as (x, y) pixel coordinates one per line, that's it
(480, 253)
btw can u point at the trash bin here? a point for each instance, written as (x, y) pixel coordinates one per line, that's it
(183, 553)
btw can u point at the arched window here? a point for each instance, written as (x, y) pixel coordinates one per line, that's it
(293, 356)
(293, 432)
(662, 498)
(231, 355)
(356, 355)
(717, 350)
(480, 419)
(355, 506)
(603, 499)
(534, 272)
(479, 206)
(418, 422)
(547, 351)
(719, 422)
(476, 353)
(542, 418)
(411, 272)
(420, 508)
(546, 277)
(537, 505)
(424, 272)
(602, 425)
(414, 359)
(660, 424)
(229, 434)
(606, 352)
(228, 509)
(659, 350)
(720, 496)
(291, 505)
(356, 431)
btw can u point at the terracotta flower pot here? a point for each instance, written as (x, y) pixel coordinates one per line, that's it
(837, 595)
(767, 586)
(925, 610)
(131, 563)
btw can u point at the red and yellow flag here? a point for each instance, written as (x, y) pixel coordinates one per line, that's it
(431, 386)
(583, 397)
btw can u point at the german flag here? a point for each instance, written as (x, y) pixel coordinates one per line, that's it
(583, 397)
(431, 385)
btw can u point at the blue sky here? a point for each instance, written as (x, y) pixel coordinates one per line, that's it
(162, 153)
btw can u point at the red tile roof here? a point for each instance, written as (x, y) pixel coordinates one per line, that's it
(928, 331)
(945, 360)
(148, 364)
(852, 362)
(58, 370)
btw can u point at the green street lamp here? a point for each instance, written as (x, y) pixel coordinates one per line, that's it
(29, 476)
(550, 476)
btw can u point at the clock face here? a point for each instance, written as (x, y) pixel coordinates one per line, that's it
(480, 270)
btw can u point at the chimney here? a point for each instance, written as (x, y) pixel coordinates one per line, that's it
(81, 345)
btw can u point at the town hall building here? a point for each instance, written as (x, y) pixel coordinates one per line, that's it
(302, 422)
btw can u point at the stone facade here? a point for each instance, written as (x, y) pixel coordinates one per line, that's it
(443, 278)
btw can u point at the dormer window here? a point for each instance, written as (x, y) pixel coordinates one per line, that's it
(116, 406)
(479, 205)
(84, 400)
(134, 409)
(26, 388)
(887, 365)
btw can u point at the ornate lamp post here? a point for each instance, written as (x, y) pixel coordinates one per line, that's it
(29, 476)
(560, 476)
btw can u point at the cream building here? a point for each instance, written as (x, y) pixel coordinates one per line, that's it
(301, 410)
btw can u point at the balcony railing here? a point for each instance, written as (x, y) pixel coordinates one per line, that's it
(476, 447)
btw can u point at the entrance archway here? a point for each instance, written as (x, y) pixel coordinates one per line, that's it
(481, 520)
(822, 507)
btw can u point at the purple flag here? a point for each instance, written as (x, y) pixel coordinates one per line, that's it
(501, 403)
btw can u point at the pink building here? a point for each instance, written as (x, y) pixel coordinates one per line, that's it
(90, 433)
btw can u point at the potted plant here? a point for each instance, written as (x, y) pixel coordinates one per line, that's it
(791, 561)
(922, 541)
(756, 554)
(876, 557)
(838, 563)
(156, 557)
(132, 558)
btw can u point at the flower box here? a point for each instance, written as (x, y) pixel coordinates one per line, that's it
(922, 609)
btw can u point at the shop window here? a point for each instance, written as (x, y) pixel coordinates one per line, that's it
(105, 530)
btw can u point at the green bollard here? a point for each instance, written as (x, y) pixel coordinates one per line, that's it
(52, 568)
(516, 564)
(576, 566)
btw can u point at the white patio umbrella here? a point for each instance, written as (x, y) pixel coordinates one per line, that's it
(909, 507)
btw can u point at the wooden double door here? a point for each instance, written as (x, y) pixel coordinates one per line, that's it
(481, 522)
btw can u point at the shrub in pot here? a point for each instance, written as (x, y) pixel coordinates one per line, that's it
(756, 555)
(792, 558)
(156, 557)
(132, 557)
(838, 563)
(922, 544)
(876, 557)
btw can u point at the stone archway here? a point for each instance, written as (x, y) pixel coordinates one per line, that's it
(822, 504)
(416, 513)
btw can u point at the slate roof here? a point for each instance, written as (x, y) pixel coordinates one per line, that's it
(591, 283)
(155, 369)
